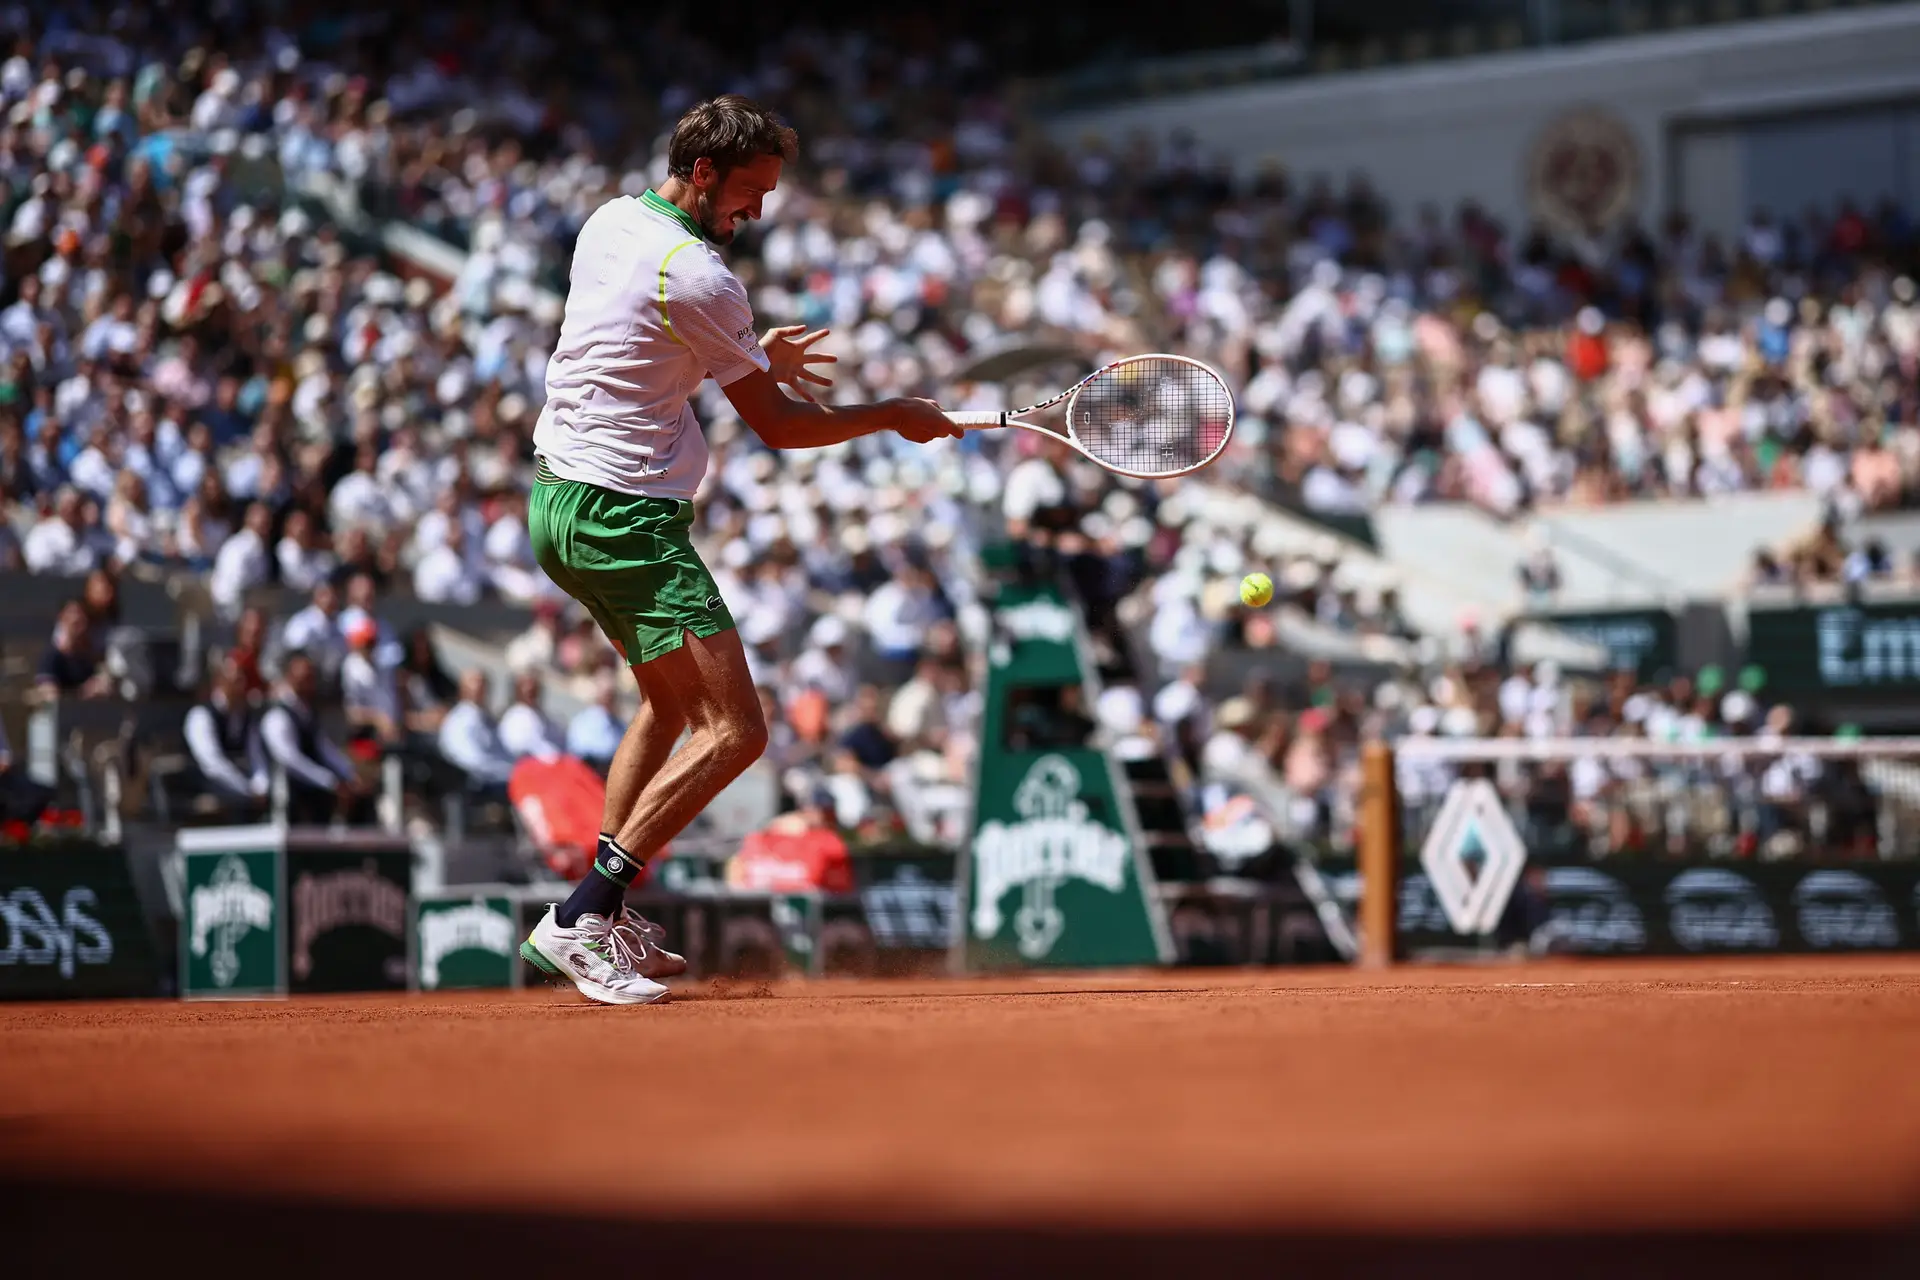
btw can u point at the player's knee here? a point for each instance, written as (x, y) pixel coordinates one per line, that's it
(741, 735)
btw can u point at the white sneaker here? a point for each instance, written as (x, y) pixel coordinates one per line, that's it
(645, 937)
(600, 959)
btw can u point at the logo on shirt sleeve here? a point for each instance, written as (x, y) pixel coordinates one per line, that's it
(744, 336)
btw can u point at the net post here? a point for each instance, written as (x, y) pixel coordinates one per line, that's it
(1379, 855)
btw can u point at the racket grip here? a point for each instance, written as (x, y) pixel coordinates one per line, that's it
(977, 419)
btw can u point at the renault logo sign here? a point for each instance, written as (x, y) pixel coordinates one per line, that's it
(1473, 856)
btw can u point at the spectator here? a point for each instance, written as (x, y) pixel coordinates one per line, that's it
(223, 737)
(537, 648)
(824, 666)
(304, 561)
(470, 738)
(1539, 571)
(323, 783)
(796, 852)
(21, 798)
(427, 692)
(62, 542)
(317, 631)
(100, 596)
(363, 606)
(368, 693)
(71, 666)
(897, 617)
(511, 569)
(525, 729)
(249, 652)
(446, 575)
(243, 562)
(864, 735)
(594, 733)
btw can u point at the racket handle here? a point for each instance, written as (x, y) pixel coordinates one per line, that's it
(977, 419)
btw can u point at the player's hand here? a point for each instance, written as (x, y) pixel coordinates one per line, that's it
(789, 352)
(922, 421)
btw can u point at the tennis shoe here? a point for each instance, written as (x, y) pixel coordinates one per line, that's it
(599, 957)
(645, 938)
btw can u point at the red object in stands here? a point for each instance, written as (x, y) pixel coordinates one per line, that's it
(1587, 352)
(561, 802)
(789, 856)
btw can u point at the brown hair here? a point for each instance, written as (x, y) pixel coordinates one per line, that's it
(730, 131)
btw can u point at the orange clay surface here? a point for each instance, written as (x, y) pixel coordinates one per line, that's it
(1631, 1095)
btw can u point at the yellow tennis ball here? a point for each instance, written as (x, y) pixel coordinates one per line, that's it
(1256, 589)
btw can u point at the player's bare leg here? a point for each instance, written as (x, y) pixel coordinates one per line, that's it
(716, 694)
(612, 953)
(643, 751)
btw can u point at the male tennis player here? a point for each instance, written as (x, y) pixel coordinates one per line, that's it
(651, 311)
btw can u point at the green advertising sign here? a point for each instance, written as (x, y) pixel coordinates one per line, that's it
(1643, 641)
(232, 937)
(466, 942)
(1055, 873)
(347, 915)
(1842, 649)
(72, 925)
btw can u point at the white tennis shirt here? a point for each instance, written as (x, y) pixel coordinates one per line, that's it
(651, 310)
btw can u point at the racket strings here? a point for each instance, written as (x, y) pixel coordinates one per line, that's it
(1152, 415)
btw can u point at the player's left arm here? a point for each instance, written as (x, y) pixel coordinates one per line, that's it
(707, 310)
(790, 351)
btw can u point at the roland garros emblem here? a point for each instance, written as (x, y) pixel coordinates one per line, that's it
(1584, 171)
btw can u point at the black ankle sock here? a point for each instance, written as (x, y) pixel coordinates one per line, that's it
(601, 892)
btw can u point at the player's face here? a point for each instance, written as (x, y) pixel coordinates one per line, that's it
(727, 201)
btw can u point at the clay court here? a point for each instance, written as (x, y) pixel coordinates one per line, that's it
(1126, 1122)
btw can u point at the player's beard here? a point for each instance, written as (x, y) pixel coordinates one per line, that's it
(718, 229)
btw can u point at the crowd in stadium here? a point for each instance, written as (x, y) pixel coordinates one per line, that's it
(201, 374)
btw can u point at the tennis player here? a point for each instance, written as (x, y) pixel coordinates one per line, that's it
(651, 311)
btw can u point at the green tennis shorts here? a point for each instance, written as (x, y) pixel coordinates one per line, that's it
(629, 560)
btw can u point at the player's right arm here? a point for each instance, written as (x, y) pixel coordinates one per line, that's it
(707, 311)
(786, 423)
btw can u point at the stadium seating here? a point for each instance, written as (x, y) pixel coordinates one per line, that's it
(398, 230)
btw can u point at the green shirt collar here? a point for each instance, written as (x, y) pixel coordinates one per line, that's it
(658, 204)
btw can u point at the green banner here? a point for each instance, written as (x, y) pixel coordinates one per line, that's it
(232, 939)
(1055, 873)
(71, 924)
(347, 916)
(466, 942)
(1838, 649)
(1644, 641)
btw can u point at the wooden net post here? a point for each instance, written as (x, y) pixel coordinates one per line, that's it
(1379, 856)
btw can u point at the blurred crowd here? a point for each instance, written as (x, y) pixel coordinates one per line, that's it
(199, 370)
(1296, 747)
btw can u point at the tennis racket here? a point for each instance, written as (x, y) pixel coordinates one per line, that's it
(1149, 417)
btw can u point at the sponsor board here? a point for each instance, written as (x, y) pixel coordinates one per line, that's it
(1591, 912)
(466, 942)
(1844, 910)
(1055, 872)
(1718, 909)
(1473, 857)
(1628, 906)
(232, 939)
(71, 925)
(271, 910)
(347, 919)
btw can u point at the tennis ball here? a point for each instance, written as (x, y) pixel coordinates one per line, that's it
(1256, 589)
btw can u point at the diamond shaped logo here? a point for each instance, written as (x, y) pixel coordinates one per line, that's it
(1473, 857)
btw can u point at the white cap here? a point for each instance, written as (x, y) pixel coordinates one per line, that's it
(1120, 708)
(827, 632)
